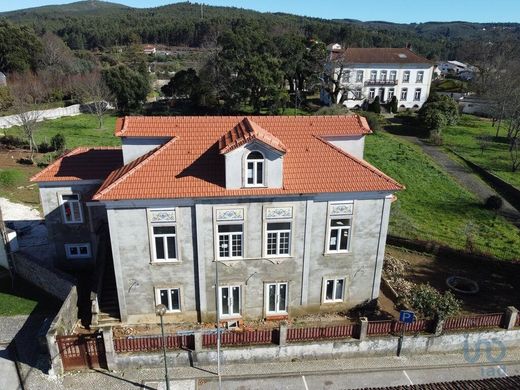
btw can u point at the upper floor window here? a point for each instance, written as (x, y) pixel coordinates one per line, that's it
(382, 75)
(339, 234)
(164, 243)
(71, 208)
(77, 251)
(230, 241)
(417, 95)
(393, 75)
(373, 75)
(169, 297)
(278, 241)
(359, 76)
(420, 77)
(406, 76)
(255, 169)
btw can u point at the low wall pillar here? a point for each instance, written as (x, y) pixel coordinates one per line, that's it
(510, 317)
(283, 334)
(110, 352)
(438, 326)
(198, 341)
(363, 328)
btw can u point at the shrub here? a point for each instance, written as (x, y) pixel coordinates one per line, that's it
(375, 106)
(44, 147)
(373, 120)
(392, 106)
(494, 202)
(14, 142)
(11, 177)
(428, 302)
(58, 143)
(335, 109)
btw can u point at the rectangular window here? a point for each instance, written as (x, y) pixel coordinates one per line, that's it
(382, 75)
(345, 77)
(371, 93)
(406, 76)
(359, 76)
(278, 239)
(169, 297)
(71, 208)
(230, 304)
(77, 251)
(333, 290)
(164, 243)
(391, 93)
(230, 241)
(339, 234)
(276, 298)
(420, 77)
(393, 75)
(404, 94)
(357, 94)
(417, 95)
(373, 75)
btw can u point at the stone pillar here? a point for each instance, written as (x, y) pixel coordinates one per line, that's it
(108, 339)
(437, 327)
(510, 317)
(363, 328)
(54, 354)
(282, 342)
(198, 341)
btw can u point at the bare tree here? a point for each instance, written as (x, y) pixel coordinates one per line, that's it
(93, 92)
(27, 91)
(514, 152)
(337, 78)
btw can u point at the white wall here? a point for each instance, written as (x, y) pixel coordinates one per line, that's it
(354, 146)
(135, 147)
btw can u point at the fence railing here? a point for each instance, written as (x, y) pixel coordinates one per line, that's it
(153, 343)
(268, 336)
(477, 321)
(319, 333)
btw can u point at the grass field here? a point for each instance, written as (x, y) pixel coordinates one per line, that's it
(80, 130)
(433, 206)
(11, 302)
(465, 139)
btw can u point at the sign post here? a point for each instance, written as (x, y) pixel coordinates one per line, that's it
(405, 317)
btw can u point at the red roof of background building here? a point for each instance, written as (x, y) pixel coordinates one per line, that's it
(82, 164)
(191, 164)
(374, 55)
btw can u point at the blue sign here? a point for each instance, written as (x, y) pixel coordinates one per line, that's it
(406, 316)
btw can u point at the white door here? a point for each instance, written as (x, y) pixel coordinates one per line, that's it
(230, 301)
(276, 298)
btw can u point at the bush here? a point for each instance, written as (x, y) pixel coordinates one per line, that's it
(58, 143)
(14, 142)
(373, 120)
(428, 302)
(375, 106)
(11, 177)
(335, 109)
(44, 147)
(494, 202)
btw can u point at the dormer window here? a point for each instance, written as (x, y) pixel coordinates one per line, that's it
(255, 169)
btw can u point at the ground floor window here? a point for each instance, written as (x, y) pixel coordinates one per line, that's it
(230, 301)
(333, 290)
(276, 298)
(404, 94)
(169, 297)
(77, 251)
(417, 95)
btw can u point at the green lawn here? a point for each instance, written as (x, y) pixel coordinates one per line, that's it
(80, 130)
(465, 137)
(433, 206)
(12, 301)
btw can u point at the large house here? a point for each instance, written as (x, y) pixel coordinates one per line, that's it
(253, 216)
(365, 73)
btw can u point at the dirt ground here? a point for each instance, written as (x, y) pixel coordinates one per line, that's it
(499, 287)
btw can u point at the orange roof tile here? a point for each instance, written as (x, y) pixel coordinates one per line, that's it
(245, 131)
(191, 165)
(379, 55)
(82, 164)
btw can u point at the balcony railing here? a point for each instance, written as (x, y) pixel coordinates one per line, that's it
(381, 82)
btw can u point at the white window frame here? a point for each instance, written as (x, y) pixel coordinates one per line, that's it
(391, 93)
(278, 232)
(230, 239)
(277, 310)
(345, 76)
(404, 94)
(382, 75)
(420, 77)
(373, 75)
(69, 255)
(72, 203)
(329, 231)
(255, 162)
(359, 76)
(358, 93)
(167, 259)
(406, 76)
(169, 307)
(372, 93)
(393, 75)
(417, 94)
(334, 290)
(230, 301)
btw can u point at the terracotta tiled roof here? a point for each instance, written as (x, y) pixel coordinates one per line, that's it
(379, 56)
(190, 165)
(82, 164)
(245, 131)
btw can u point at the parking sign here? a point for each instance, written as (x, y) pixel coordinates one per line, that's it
(406, 316)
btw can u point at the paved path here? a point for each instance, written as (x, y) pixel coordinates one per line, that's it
(465, 176)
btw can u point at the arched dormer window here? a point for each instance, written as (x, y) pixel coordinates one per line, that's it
(255, 169)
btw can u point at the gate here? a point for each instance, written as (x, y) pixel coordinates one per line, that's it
(82, 351)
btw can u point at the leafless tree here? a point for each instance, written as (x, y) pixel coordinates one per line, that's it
(27, 91)
(56, 54)
(337, 78)
(94, 94)
(514, 151)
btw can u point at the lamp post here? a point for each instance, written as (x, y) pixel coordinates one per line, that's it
(160, 310)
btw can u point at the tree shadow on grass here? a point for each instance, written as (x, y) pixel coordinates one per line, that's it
(406, 127)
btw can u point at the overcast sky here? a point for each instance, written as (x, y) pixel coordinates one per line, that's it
(400, 11)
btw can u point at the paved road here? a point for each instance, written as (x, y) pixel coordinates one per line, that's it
(8, 374)
(343, 381)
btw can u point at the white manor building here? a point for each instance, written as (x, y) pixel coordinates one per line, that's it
(385, 72)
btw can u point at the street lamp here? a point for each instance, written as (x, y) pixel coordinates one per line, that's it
(160, 310)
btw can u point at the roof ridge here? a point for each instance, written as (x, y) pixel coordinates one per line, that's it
(145, 159)
(361, 162)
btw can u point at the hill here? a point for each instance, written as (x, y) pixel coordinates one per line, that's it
(86, 7)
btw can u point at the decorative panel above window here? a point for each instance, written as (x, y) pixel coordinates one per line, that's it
(158, 216)
(278, 212)
(341, 208)
(230, 214)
